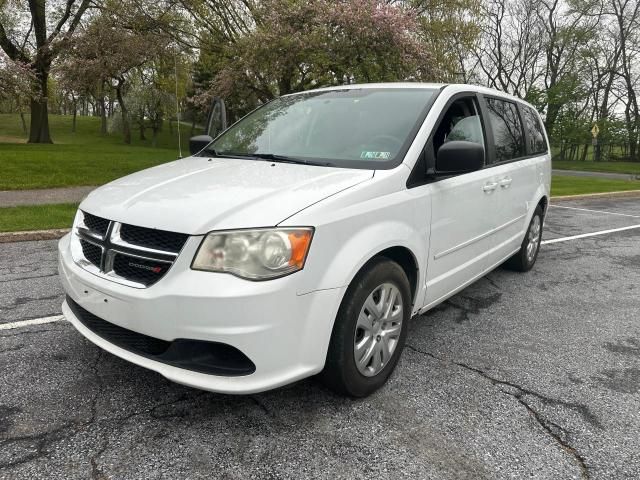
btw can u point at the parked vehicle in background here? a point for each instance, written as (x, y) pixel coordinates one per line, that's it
(303, 239)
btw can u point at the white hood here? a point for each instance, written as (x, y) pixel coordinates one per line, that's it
(196, 195)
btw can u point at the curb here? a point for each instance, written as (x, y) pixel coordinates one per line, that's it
(8, 237)
(628, 193)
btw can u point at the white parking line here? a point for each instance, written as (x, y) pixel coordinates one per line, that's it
(595, 211)
(585, 235)
(33, 321)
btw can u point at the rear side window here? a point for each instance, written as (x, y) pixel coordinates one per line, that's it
(535, 130)
(508, 135)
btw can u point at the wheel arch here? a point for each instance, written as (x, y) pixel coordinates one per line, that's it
(401, 255)
(544, 203)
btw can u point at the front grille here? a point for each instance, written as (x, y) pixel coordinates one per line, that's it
(151, 238)
(91, 252)
(139, 270)
(135, 256)
(200, 356)
(97, 225)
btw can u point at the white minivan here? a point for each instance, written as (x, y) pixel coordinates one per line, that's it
(304, 238)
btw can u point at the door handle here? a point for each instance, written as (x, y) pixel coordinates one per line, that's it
(489, 187)
(505, 182)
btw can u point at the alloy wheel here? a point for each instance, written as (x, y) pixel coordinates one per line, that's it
(534, 238)
(378, 329)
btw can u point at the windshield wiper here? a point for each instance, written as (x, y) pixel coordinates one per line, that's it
(273, 157)
(266, 156)
(279, 158)
(286, 159)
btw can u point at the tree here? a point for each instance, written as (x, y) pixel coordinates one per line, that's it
(103, 54)
(569, 28)
(152, 96)
(450, 30)
(265, 49)
(626, 15)
(40, 55)
(15, 78)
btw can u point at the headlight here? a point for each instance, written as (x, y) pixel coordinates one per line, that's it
(259, 254)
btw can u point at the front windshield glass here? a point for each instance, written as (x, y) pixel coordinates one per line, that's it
(357, 128)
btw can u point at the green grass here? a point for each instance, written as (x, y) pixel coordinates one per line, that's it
(590, 166)
(82, 158)
(565, 185)
(39, 217)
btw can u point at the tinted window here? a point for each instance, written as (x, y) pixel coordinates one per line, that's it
(359, 128)
(508, 135)
(535, 130)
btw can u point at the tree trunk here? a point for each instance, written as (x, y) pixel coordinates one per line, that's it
(142, 130)
(585, 150)
(75, 114)
(39, 131)
(553, 110)
(126, 126)
(24, 123)
(154, 139)
(103, 115)
(103, 121)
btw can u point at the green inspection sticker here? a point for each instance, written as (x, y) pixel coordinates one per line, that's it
(376, 155)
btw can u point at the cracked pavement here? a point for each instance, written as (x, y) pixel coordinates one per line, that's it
(520, 375)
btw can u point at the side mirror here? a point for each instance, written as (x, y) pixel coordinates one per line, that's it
(198, 142)
(459, 157)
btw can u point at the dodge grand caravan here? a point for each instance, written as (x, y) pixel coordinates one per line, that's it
(303, 239)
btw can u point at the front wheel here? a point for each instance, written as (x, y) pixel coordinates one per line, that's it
(369, 331)
(526, 257)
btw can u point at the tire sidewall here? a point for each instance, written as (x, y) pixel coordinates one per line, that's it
(529, 264)
(384, 271)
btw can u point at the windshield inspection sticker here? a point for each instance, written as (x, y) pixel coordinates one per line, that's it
(376, 155)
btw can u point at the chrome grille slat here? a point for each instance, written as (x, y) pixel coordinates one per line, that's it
(116, 239)
(163, 241)
(98, 226)
(131, 264)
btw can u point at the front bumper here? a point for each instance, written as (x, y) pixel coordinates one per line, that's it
(284, 334)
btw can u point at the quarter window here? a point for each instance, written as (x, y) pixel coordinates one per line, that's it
(535, 131)
(508, 135)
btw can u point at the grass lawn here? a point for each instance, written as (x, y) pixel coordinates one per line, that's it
(590, 166)
(565, 185)
(39, 217)
(81, 158)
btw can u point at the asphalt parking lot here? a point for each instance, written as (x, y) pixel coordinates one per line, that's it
(520, 375)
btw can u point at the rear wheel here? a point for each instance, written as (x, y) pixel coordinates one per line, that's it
(526, 257)
(370, 330)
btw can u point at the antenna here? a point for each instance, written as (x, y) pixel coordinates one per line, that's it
(175, 65)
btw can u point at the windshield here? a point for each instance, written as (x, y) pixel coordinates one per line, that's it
(357, 128)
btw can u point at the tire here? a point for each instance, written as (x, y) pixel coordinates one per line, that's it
(525, 259)
(381, 336)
